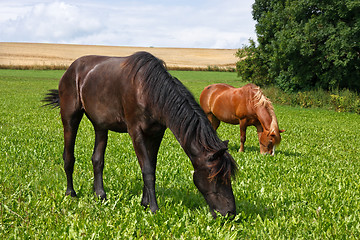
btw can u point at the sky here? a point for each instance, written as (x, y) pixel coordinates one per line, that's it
(225, 24)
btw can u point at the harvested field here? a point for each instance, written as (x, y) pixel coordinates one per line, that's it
(53, 56)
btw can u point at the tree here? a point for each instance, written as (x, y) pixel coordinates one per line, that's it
(304, 44)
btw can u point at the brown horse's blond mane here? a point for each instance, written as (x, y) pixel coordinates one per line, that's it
(261, 100)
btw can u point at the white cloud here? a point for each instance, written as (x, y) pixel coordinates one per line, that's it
(52, 22)
(207, 24)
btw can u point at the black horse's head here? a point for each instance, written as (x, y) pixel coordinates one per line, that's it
(213, 179)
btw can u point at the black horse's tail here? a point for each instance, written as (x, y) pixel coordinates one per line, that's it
(52, 98)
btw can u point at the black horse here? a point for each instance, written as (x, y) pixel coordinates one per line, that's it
(136, 94)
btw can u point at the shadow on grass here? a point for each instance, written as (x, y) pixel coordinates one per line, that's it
(182, 196)
(236, 147)
(256, 149)
(195, 201)
(247, 210)
(189, 198)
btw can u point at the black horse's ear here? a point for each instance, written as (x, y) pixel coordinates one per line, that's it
(218, 154)
(226, 142)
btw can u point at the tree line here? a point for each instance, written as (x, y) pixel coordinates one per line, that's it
(303, 45)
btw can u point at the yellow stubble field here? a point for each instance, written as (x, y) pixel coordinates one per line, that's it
(62, 55)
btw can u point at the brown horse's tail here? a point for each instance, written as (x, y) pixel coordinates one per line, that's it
(52, 98)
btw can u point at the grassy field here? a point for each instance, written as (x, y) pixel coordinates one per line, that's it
(309, 190)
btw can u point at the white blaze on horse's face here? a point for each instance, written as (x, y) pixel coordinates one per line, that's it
(273, 151)
(266, 144)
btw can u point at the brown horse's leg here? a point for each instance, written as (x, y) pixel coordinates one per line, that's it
(97, 158)
(71, 124)
(260, 131)
(146, 149)
(243, 126)
(215, 122)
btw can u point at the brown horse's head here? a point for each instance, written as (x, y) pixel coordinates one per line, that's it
(269, 140)
(214, 182)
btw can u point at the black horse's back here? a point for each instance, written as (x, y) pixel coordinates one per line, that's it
(52, 98)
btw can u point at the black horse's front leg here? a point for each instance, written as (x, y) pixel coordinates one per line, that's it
(149, 195)
(146, 149)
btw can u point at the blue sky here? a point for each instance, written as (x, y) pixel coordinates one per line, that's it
(161, 23)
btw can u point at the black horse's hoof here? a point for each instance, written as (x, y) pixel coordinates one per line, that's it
(100, 195)
(71, 193)
(154, 210)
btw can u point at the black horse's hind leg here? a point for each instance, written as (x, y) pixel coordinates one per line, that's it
(71, 125)
(146, 148)
(101, 137)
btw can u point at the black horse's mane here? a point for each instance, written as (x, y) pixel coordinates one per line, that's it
(181, 113)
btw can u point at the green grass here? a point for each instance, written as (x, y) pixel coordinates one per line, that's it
(310, 189)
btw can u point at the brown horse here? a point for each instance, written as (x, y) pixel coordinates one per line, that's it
(137, 95)
(246, 106)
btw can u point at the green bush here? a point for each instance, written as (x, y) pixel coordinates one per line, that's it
(314, 98)
(338, 100)
(346, 101)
